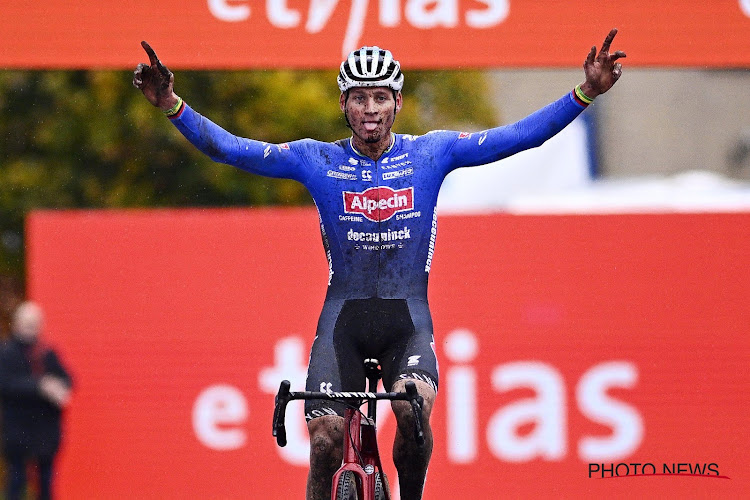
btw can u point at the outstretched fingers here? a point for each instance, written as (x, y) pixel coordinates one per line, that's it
(151, 54)
(608, 41)
(166, 75)
(155, 62)
(617, 55)
(591, 56)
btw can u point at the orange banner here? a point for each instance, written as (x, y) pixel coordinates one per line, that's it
(568, 346)
(421, 33)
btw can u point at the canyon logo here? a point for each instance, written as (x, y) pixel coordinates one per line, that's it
(379, 203)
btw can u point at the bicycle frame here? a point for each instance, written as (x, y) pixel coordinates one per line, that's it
(361, 455)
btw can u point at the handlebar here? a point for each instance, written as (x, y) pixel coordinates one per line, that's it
(285, 395)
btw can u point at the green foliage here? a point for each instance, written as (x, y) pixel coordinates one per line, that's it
(88, 139)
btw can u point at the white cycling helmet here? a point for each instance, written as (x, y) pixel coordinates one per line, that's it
(370, 67)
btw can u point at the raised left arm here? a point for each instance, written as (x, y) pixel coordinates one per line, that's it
(602, 72)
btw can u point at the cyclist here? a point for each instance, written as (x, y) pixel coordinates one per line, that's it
(376, 194)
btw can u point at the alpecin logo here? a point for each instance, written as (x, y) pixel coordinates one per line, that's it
(379, 203)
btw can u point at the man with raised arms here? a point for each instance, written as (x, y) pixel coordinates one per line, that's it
(376, 194)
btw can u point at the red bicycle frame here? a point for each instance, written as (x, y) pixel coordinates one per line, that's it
(361, 455)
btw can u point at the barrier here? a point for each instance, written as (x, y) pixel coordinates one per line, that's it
(579, 355)
(202, 34)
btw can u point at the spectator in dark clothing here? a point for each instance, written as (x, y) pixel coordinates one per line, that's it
(34, 390)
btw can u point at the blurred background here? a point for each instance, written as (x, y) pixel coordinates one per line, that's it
(673, 134)
(661, 140)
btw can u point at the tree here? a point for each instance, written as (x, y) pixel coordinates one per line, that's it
(88, 139)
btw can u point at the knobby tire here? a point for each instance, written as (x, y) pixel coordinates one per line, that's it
(381, 484)
(347, 487)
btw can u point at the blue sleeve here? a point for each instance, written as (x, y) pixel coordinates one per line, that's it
(479, 148)
(271, 160)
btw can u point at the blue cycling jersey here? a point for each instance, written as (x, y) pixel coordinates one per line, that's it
(378, 218)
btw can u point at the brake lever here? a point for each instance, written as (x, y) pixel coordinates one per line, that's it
(416, 406)
(279, 413)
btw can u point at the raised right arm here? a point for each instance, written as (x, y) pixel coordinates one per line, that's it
(271, 160)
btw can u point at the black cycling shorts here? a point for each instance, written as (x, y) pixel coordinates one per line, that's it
(397, 332)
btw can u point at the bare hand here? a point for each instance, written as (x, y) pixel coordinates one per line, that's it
(55, 389)
(602, 70)
(155, 81)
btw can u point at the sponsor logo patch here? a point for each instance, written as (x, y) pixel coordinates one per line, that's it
(482, 138)
(379, 203)
(341, 175)
(397, 174)
(397, 164)
(385, 236)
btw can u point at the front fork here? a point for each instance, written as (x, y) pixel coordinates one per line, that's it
(360, 455)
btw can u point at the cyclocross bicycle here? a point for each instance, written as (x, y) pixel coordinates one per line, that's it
(361, 475)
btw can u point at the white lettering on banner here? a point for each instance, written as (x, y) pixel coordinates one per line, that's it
(626, 423)
(217, 412)
(745, 7)
(290, 364)
(496, 13)
(354, 27)
(547, 411)
(280, 15)
(421, 14)
(461, 347)
(220, 411)
(320, 13)
(444, 14)
(222, 10)
(390, 13)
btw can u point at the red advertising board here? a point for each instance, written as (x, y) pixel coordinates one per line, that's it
(568, 346)
(421, 33)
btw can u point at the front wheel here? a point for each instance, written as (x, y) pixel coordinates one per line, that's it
(346, 489)
(381, 486)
